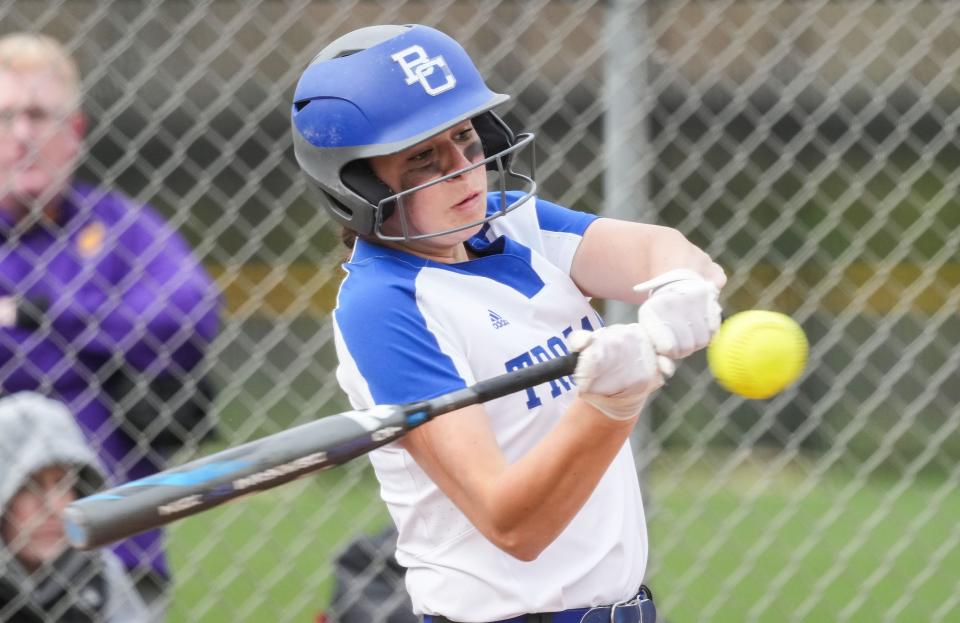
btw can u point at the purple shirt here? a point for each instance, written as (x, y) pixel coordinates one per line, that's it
(119, 287)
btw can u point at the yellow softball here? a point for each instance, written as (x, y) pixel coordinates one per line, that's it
(757, 354)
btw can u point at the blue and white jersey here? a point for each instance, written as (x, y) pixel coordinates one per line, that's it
(408, 328)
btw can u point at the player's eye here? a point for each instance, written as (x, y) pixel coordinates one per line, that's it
(420, 156)
(464, 135)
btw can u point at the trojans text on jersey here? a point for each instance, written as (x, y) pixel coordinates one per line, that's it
(555, 346)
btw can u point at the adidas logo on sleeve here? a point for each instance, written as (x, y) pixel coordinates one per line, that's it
(497, 320)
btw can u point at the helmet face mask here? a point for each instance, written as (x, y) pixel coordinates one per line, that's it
(378, 91)
(500, 165)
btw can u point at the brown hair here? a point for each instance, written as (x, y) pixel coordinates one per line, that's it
(348, 237)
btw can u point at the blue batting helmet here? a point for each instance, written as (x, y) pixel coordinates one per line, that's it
(377, 91)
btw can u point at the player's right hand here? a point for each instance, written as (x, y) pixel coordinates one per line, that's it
(617, 369)
(682, 312)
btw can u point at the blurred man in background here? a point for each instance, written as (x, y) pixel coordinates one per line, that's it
(45, 464)
(102, 304)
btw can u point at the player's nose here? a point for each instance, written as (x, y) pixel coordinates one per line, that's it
(457, 158)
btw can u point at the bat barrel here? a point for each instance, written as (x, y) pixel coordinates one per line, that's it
(157, 500)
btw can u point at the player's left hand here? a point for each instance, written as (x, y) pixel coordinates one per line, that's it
(682, 312)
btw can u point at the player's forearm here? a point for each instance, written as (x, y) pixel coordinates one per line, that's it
(535, 498)
(520, 507)
(616, 255)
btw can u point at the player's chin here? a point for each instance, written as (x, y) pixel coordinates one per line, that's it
(473, 230)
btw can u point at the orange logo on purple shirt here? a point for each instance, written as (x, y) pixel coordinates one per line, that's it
(90, 239)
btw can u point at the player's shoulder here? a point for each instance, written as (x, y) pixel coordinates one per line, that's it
(378, 278)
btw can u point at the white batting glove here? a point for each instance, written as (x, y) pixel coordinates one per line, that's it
(617, 369)
(682, 313)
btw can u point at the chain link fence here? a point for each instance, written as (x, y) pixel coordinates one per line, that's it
(811, 147)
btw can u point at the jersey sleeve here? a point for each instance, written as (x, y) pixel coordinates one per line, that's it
(391, 353)
(562, 230)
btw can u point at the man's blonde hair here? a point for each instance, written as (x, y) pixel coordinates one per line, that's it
(24, 51)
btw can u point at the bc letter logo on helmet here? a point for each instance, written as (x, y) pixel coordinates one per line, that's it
(418, 67)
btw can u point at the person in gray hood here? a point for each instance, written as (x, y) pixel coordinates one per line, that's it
(45, 464)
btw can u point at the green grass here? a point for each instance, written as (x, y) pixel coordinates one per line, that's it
(267, 558)
(781, 552)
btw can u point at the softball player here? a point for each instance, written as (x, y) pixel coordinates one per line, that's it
(527, 508)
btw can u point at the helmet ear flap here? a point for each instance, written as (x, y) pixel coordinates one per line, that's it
(360, 178)
(495, 135)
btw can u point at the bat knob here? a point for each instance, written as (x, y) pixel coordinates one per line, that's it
(75, 529)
